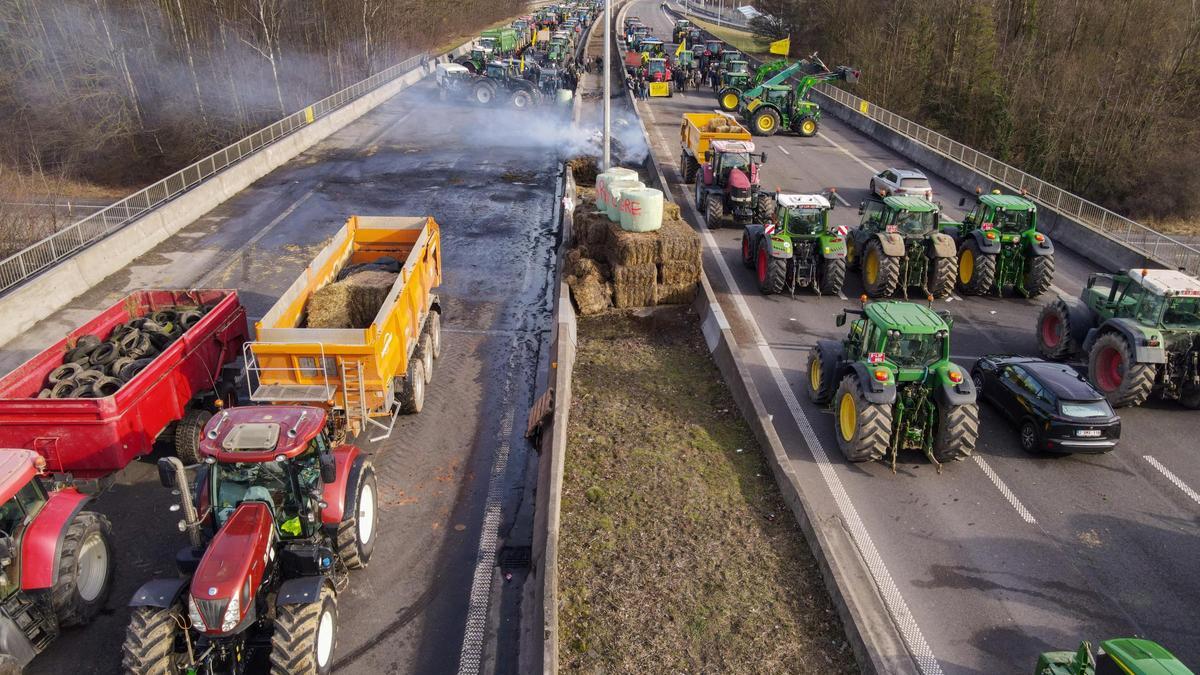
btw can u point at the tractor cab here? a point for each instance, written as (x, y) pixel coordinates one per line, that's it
(478, 58)
(681, 30)
(906, 216)
(450, 75)
(713, 47)
(729, 56)
(732, 164)
(652, 46)
(1164, 299)
(1008, 214)
(803, 215)
(735, 74)
(686, 60)
(657, 71)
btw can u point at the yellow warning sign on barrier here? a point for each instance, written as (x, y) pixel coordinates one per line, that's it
(308, 115)
(660, 88)
(864, 107)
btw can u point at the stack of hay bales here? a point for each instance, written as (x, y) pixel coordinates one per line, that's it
(608, 266)
(352, 302)
(723, 124)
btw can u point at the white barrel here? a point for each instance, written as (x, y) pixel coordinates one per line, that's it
(641, 209)
(615, 187)
(615, 173)
(565, 96)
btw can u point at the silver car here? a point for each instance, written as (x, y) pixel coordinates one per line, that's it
(908, 182)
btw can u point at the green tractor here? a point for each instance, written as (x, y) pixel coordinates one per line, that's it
(476, 60)
(1140, 331)
(898, 246)
(733, 83)
(1119, 656)
(773, 105)
(999, 247)
(893, 386)
(796, 247)
(681, 30)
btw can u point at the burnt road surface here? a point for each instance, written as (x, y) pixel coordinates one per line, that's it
(491, 187)
(1006, 554)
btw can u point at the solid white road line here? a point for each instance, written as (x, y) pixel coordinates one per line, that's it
(783, 149)
(1008, 494)
(1173, 478)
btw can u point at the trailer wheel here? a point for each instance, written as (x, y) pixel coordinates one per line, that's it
(425, 349)
(434, 326)
(412, 393)
(85, 569)
(187, 435)
(356, 532)
(149, 647)
(688, 166)
(958, 430)
(305, 637)
(1123, 381)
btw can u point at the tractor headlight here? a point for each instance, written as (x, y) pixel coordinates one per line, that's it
(194, 614)
(232, 615)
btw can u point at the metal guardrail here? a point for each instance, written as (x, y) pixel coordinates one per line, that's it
(1154, 244)
(79, 235)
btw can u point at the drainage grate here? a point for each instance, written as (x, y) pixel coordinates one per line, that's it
(515, 557)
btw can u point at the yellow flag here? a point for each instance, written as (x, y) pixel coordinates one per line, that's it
(522, 63)
(782, 47)
(535, 32)
(681, 48)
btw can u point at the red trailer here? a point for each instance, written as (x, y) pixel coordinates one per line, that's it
(92, 437)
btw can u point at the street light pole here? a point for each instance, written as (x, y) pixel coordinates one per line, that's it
(607, 163)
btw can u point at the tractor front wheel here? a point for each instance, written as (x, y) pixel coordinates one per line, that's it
(833, 276)
(149, 647)
(863, 429)
(522, 99)
(85, 569)
(822, 369)
(941, 276)
(1111, 367)
(1039, 276)
(1054, 331)
(765, 122)
(714, 211)
(356, 532)
(807, 126)
(305, 636)
(957, 431)
(976, 269)
(484, 93)
(187, 435)
(729, 99)
(771, 271)
(880, 272)
(748, 250)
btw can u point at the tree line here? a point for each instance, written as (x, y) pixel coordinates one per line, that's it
(121, 92)
(1100, 98)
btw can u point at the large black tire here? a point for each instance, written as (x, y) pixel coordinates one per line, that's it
(85, 569)
(412, 388)
(957, 432)
(1190, 398)
(765, 122)
(424, 351)
(807, 126)
(729, 98)
(880, 272)
(187, 435)
(822, 375)
(1112, 369)
(941, 277)
(714, 211)
(360, 519)
(833, 276)
(764, 207)
(749, 250)
(434, 327)
(485, 93)
(976, 269)
(770, 271)
(521, 99)
(863, 429)
(305, 637)
(1055, 332)
(149, 647)
(688, 166)
(1039, 275)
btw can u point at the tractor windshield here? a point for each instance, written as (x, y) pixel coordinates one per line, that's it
(1176, 312)
(912, 350)
(1014, 221)
(279, 485)
(734, 160)
(806, 221)
(912, 224)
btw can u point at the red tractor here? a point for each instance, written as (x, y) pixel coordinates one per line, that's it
(285, 515)
(728, 185)
(56, 560)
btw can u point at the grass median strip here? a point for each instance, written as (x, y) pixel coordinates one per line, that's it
(677, 551)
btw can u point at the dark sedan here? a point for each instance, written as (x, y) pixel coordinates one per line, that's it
(1055, 407)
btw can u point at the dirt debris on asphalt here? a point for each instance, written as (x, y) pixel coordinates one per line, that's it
(677, 551)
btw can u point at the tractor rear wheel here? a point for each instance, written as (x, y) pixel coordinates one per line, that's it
(748, 251)
(1054, 331)
(770, 271)
(1111, 367)
(1040, 275)
(807, 126)
(356, 532)
(85, 569)
(833, 276)
(880, 272)
(863, 429)
(714, 211)
(187, 435)
(957, 431)
(149, 647)
(305, 636)
(688, 166)
(822, 371)
(941, 276)
(729, 99)
(765, 122)
(976, 269)
(412, 388)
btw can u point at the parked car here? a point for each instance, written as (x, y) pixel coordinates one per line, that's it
(1055, 407)
(901, 182)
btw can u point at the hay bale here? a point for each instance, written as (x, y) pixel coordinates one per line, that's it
(350, 303)
(676, 272)
(631, 248)
(592, 296)
(585, 170)
(675, 294)
(590, 227)
(671, 211)
(678, 241)
(634, 285)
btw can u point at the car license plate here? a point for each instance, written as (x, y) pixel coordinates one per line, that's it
(1087, 433)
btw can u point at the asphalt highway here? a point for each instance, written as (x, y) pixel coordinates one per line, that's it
(1006, 554)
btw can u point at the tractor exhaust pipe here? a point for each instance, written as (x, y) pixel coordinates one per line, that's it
(172, 475)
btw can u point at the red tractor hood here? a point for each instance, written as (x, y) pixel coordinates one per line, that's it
(738, 180)
(241, 550)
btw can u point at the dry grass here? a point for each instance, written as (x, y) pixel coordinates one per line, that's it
(678, 554)
(1174, 226)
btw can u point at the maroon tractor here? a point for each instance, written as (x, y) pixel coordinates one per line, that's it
(56, 560)
(728, 185)
(276, 518)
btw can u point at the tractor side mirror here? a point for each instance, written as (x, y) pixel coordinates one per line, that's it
(166, 473)
(840, 320)
(947, 317)
(764, 157)
(862, 206)
(962, 202)
(328, 469)
(708, 155)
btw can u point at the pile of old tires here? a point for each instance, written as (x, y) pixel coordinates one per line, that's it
(96, 368)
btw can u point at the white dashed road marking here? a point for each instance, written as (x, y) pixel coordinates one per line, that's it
(1008, 494)
(1173, 478)
(783, 149)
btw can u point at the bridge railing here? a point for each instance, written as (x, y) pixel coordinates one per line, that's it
(1167, 250)
(43, 254)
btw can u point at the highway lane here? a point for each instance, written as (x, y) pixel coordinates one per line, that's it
(1001, 556)
(492, 189)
